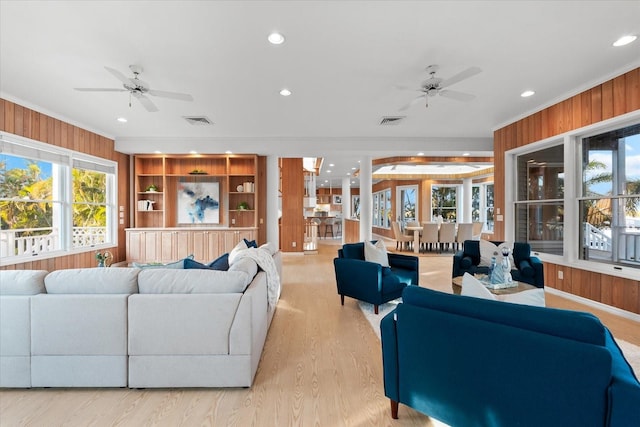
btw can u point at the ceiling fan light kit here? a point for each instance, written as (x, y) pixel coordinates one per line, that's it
(138, 89)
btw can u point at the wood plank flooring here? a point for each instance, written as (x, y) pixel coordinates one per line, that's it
(321, 366)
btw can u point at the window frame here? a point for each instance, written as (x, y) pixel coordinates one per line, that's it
(64, 161)
(573, 182)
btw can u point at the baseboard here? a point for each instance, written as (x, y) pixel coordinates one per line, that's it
(600, 306)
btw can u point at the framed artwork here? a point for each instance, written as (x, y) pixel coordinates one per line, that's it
(198, 202)
(337, 200)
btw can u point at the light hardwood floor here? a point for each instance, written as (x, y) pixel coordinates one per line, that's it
(321, 366)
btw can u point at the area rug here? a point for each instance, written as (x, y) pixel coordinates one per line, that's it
(631, 351)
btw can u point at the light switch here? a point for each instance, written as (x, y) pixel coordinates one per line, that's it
(498, 217)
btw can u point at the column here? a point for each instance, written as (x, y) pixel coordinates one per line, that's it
(467, 200)
(273, 200)
(346, 203)
(366, 198)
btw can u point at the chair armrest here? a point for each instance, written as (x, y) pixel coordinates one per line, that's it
(457, 269)
(408, 263)
(389, 338)
(354, 276)
(538, 267)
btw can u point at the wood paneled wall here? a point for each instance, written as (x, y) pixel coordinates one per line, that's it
(292, 221)
(31, 124)
(262, 200)
(613, 98)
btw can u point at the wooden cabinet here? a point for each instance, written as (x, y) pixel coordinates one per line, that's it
(171, 244)
(159, 178)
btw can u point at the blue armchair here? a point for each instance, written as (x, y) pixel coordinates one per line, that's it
(369, 281)
(527, 268)
(474, 362)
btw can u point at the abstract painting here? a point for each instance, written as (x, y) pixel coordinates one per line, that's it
(198, 203)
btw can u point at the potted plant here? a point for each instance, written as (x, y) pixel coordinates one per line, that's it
(242, 206)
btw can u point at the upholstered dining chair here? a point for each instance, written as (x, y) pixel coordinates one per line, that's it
(477, 230)
(447, 235)
(429, 237)
(401, 239)
(465, 232)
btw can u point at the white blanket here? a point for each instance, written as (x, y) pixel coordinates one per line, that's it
(263, 258)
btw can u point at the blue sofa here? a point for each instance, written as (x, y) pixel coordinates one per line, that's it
(527, 268)
(370, 282)
(473, 362)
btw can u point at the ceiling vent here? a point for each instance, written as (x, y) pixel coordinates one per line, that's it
(391, 120)
(198, 120)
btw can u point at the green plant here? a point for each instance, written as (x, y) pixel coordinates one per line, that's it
(243, 205)
(152, 187)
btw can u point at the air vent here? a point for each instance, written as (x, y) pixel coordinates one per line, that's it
(198, 120)
(391, 120)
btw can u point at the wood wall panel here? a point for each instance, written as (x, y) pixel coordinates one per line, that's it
(262, 201)
(292, 221)
(615, 97)
(31, 124)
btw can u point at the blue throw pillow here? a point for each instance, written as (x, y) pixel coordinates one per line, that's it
(251, 244)
(221, 263)
(191, 264)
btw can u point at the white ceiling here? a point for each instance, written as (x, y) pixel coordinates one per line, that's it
(341, 59)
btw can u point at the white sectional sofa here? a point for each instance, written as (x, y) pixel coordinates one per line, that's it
(126, 327)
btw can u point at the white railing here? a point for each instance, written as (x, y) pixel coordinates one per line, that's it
(310, 236)
(33, 241)
(594, 238)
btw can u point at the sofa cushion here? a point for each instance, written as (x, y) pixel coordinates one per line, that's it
(376, 253)
(197, 281)
(353, 250)
(575, 325)
(466, 262)
(526, 269)
(22, 282)
(240, 246)
(175, 264)
(391, 283)
(93, 281)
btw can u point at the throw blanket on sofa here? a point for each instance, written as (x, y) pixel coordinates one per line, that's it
(263, 258)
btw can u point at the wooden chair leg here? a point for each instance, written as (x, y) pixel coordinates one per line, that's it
(375, 308)
(394, 409)
(342, 299)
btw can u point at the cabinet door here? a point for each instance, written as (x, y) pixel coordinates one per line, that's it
(135, 245)
(231, 238)
(173, 245)
(205, 245)
(151, 246)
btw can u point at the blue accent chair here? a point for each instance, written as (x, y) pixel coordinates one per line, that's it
(527, 268)
(369, 281)
(473, 362)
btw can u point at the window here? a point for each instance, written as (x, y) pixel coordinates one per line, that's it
(488, 208)
(444, 202)
(482, 205)
(407, 203)
(53, 200)
(382, 209)
(539, 208)
(609, 205)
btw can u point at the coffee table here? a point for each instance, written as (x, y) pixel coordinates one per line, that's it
(522, 286)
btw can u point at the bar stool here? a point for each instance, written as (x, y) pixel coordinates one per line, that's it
(328, 227)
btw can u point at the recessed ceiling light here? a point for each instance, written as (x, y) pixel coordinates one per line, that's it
(285, 92)
(353, 169)
(624, 40)
(329, 171)
(158, 152)
(421, 154)
(193, 152)
(466, 154)
(228, 152)
(348, 173)
(275, 38)
(331, 165)
(122, 119)
(527, 93)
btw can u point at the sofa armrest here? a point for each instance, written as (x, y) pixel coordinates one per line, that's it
(389, 338)
(624, 389)
(352, 275)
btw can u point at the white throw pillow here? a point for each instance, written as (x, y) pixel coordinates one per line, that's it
(376, 253)
(488, 250)
(270, 246)
(472, 287)
(533, 297)
(241, 246)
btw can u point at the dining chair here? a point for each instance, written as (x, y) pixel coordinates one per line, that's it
(477, 230)
(401, 239)
(447, 235)
(429, 237)
(465, 232)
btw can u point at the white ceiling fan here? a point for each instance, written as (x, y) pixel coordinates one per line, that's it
(436, 86)
(138, 89)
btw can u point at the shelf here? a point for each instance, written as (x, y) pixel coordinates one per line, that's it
(156, 210)
(242, 192)
(150, 192)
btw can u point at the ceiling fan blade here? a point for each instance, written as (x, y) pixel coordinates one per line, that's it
(458, 96)
(411, 103)
(98, 89)
(146, 102)
(469, 72)
(172, 95)
(118, 75)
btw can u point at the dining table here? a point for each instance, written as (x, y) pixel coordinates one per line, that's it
(416, 236)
